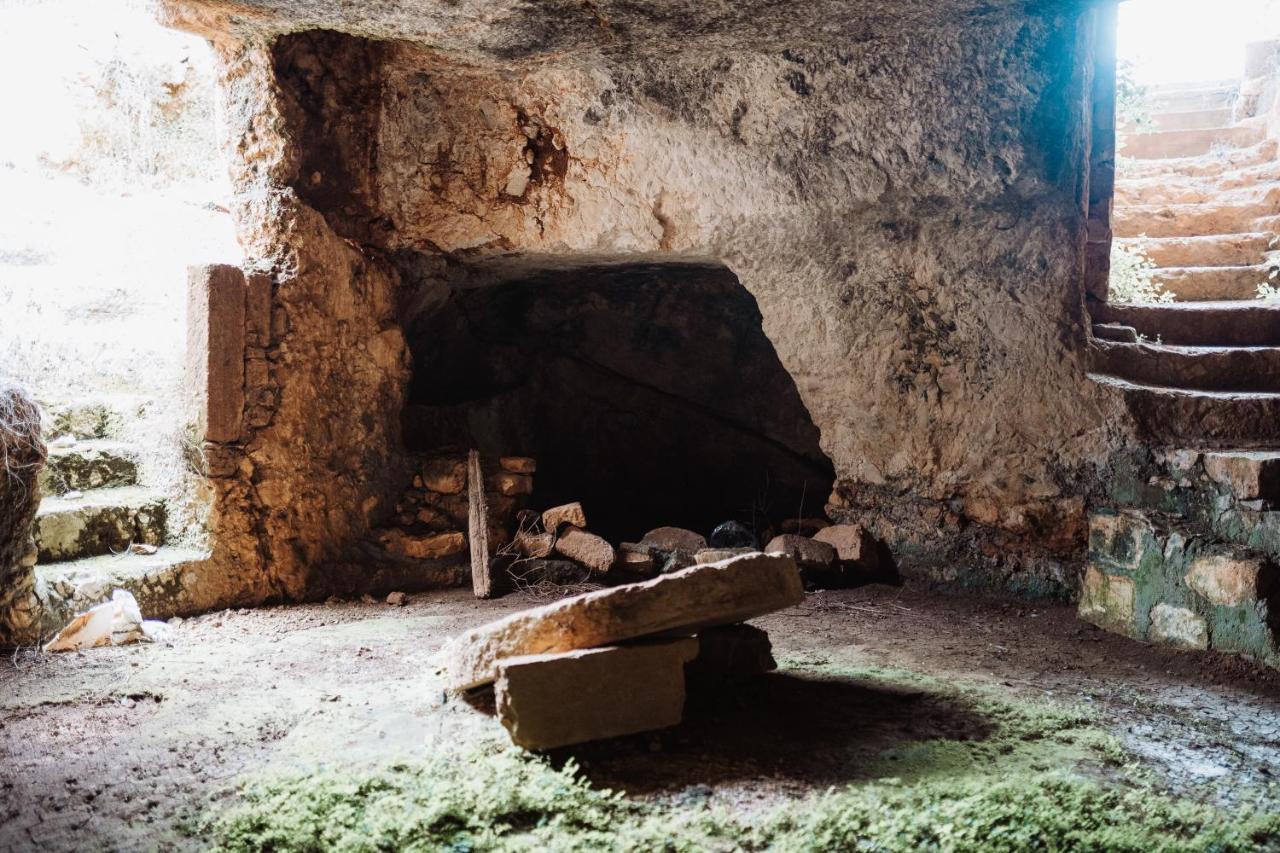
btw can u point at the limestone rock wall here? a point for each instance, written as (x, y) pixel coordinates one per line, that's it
(901, 187)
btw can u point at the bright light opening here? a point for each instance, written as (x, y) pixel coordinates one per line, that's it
(1182, 41)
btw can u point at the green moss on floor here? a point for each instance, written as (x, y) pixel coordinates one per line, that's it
(1041, 777)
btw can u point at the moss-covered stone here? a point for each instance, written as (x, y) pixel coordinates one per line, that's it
(87, 465)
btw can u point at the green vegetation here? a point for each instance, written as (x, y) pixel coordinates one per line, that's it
(1044, 778)
(1133, 278)
(1133, 100)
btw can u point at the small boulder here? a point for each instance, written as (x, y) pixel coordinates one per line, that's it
(674, 539)
(586, 548)
(729, 654)
(733, 534)
(852, 542)
(635, 560)
(570, 514)
(535, 545)
(816, 560)
(397, 599)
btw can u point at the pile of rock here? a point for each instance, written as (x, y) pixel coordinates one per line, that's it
(555, 546)
(430, 520)
(615, 661)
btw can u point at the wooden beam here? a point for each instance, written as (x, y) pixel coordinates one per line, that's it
(478, 528)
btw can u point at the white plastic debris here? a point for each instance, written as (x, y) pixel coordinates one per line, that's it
(113, 623)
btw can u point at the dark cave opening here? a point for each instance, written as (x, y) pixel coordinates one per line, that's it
(646, 390)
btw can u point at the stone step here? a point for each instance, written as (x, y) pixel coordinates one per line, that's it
(1169, 144)
(158, 581)
(1213, 250)
(1213, 97)
(102, 521)
(1194, 368)
(1212, 284)
(1197, 220)
(1189, 189)
(1215, 165)
(95, 464)
(1199, 119)
(1229, 324)
(1206, 420)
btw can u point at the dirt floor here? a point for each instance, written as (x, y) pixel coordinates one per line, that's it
(126, 748)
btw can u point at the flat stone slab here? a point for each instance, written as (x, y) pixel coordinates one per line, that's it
(687, 600)
(553, 700)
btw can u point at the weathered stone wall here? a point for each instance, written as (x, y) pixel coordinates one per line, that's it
(901, 188)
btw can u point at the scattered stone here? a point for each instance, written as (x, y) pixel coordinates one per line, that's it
(445, 475)
(715, 555)
(570, 514)
(852, 542)
(674, 539)
(143, 549)
(586, 548)
(635, 560)
(805, 526)
(535, 545)
(513, 484)
(397, 599)
(553, 700)
(428, 546)
(733, 534)
(366, 598)
(810, 555)
(690, 600)
(518, 464)
(729, 654)
(1115, 332)
(1177, 626)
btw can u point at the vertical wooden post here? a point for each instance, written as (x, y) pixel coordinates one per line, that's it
(478, 527)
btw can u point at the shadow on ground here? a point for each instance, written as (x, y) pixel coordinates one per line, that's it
(784, 727)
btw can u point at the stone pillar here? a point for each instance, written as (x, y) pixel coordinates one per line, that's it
(1102, 153)
(216, 295)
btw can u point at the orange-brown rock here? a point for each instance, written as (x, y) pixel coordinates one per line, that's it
(688, 600)
(552, 700)
(585, 548)
(558, 516)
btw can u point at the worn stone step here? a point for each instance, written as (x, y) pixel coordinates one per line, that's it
(84, 465)
(1211, 284)
(1177, 188)
(1178, 417)
(1206, 166)
(1197, 119)
(1214, 97)
(102, 521)
(1213, 250)
(1230, 324)
(1197, 220)
(159, 581)
(1195, 368)
(1168, 144)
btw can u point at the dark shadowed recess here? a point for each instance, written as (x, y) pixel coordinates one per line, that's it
(647, 390)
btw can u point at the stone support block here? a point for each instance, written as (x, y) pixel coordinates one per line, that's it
(216, 349)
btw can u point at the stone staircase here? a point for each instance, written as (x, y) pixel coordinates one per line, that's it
(97, 528)
(1201, 196)
(1184, 540)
